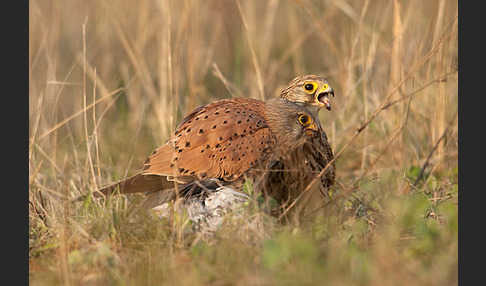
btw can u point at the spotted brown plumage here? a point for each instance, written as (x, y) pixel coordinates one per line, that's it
(219, 140)
(230, 140)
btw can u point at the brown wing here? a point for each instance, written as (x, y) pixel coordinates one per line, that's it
(219, 140)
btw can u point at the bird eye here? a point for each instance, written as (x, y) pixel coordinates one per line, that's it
(304, 119)
(310, 87)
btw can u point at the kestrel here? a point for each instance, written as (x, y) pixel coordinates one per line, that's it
(210, 142)
(227, 139)
(224, 140)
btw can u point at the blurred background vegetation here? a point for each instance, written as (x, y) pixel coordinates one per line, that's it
(144, 64)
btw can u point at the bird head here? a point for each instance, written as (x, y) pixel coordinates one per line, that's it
(290, 123)
(309, 90)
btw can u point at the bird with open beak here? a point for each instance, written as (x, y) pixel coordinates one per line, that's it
(313, 91)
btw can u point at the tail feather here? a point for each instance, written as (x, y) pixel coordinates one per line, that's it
(139, 183)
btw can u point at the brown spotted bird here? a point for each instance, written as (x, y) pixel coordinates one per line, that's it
(227, 139)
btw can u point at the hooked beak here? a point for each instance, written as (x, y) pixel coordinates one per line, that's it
(322, 97)
(312, 129)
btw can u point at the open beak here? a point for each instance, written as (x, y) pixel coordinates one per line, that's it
(327, 102)
(323, 97)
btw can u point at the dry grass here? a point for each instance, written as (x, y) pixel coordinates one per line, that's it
(109, 80)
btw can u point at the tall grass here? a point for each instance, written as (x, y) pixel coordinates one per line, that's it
(109, 81)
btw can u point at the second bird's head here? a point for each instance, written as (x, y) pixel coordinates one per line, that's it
(309, 90)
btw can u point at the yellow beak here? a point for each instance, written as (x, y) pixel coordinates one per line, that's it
(311, 128)
(322, 97)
